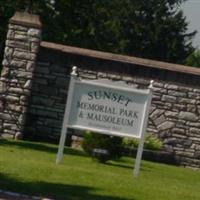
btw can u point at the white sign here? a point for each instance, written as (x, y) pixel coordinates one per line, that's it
(108, 109)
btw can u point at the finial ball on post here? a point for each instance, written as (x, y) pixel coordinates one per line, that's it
(74, 71)
(151, 84)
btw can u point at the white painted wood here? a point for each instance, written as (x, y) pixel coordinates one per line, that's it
(141, 142)
(80, 87)
(117, 125)
(66, 116)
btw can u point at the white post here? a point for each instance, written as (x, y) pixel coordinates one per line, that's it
(66, 115)
(141, 142)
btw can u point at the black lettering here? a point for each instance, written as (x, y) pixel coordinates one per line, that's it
(80, 114)
(90, 116)
(136, 114)
(121, 99)
(128, 101)
(90, 96)
(114, 96)
(78, 104)
(107, 95)
(97, 94)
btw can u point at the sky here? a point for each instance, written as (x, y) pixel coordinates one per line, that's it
(191, 9)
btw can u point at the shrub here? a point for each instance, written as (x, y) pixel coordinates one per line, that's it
(151, 142)
(94, 144)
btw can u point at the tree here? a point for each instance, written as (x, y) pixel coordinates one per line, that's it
(193, 59)
(153, 29)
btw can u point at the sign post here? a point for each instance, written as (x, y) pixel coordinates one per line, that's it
(111, 109)
(66, 115)
(141, 143)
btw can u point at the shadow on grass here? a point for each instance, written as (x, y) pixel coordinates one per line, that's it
(39, 147)
(56, 191)
(131, 165)
(121, 165)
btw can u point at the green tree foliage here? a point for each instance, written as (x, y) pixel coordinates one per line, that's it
(146, 28)
(193, 59)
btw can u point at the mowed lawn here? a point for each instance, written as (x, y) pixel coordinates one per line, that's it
(30, 168)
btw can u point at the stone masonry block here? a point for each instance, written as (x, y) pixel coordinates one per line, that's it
(18, 63)
(187, 100)
(156, 113)
(10, 34)
(20, 32)
(177, 93)
(33, 32)
(5, 72)
(194, 124)
(171, 114)
(195, 131)
(3, 87)
(5, 62)
(168, 98)
(158, 84)
(15, 108)
(28, 84)
(30, 66)
(21, 37)
(8, 52)
(166, 125)
(18, 44)
(34, 47)
(5, 116)
(159, 120)
(24, 55)
(17, 27)
(11, 98)
(188, 116)
(16, 90)
(171, 86)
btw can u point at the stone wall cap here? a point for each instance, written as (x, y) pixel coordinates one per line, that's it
(123, 58)
(26, 19)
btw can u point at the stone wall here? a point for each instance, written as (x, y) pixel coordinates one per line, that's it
(21, 48)
(174, 115)
(33, 96)
(175, 118)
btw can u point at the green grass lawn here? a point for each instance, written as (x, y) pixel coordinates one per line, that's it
(30, 168)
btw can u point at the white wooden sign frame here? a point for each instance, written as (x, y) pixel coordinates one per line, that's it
(73, 81)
